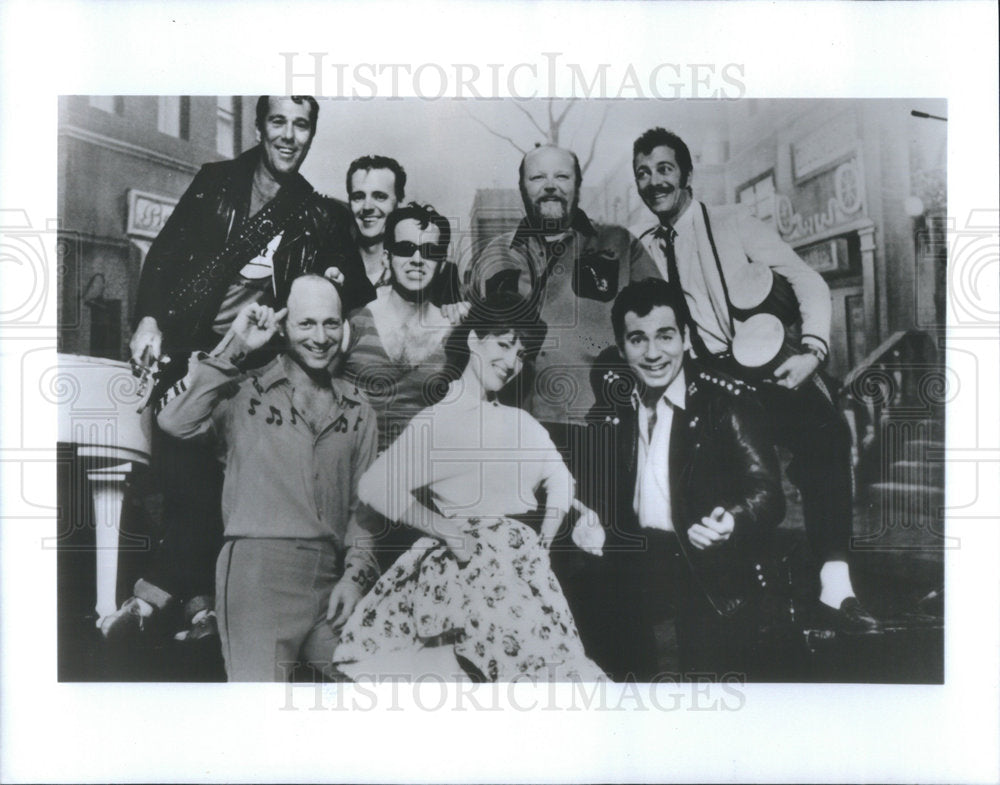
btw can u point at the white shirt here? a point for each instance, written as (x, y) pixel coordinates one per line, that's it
(651, 500)
(711, 325)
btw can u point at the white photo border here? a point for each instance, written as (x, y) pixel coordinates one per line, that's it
(167, 732)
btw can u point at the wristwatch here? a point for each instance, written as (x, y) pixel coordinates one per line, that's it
(815, 351)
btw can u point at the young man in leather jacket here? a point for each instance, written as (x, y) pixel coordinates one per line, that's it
(693, 494)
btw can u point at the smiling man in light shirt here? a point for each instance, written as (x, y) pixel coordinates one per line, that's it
(694, 485)
(296, 440)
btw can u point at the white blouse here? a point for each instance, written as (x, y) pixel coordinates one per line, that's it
(481, 460)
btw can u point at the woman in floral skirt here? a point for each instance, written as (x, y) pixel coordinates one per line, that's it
(476, 592)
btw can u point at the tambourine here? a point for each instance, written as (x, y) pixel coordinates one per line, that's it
(761, 344)
(765, 313)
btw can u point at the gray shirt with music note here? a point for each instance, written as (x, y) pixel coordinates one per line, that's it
(282, 479)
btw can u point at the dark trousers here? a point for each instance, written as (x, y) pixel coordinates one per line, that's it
(182, 565)
(653, 583)
(812, 428)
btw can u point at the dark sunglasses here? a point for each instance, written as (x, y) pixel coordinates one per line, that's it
(432, 251)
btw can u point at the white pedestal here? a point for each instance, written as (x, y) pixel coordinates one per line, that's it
(107, 488)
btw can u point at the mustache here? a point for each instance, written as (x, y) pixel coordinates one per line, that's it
(542, 204)
(658, 190)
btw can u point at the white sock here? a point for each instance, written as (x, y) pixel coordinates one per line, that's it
(835, 583)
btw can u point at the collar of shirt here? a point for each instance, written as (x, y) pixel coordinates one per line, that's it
(277, 371)
(651, 497)
(675, 394)
(525, 230)
(683, 225)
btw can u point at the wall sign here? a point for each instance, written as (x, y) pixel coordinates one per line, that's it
(827, 201)
(829, 256)
(147, 213)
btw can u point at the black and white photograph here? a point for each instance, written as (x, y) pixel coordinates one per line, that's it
(619, 396)
(495, 382)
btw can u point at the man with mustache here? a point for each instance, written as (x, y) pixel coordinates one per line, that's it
(706, 252)
(569, 269)
(239, 235)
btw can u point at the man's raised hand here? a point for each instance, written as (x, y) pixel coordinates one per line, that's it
(256, 324)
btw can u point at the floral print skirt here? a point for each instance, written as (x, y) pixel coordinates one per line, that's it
(503, 612)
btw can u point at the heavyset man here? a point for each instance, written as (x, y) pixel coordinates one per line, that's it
(570, 269)
(713, 255)
(239, 235)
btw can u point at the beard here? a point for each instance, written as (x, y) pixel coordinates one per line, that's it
(552, 214)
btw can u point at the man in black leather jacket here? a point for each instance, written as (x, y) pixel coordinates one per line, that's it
(241, 233)
(693, 494)
(184, 284)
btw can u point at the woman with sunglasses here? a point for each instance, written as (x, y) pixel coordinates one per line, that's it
(475, 596)
(396, 354)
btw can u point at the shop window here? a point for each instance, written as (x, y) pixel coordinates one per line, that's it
(227, 126)
(173, 115)
(758, 195)
(113, 104)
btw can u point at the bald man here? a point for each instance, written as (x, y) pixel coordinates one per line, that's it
(571, 269)
(296, 440)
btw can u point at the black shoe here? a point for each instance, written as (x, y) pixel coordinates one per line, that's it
(852, 616)
(126, 622)
(206, 627)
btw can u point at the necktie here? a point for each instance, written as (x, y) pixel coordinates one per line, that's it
(666, 236)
